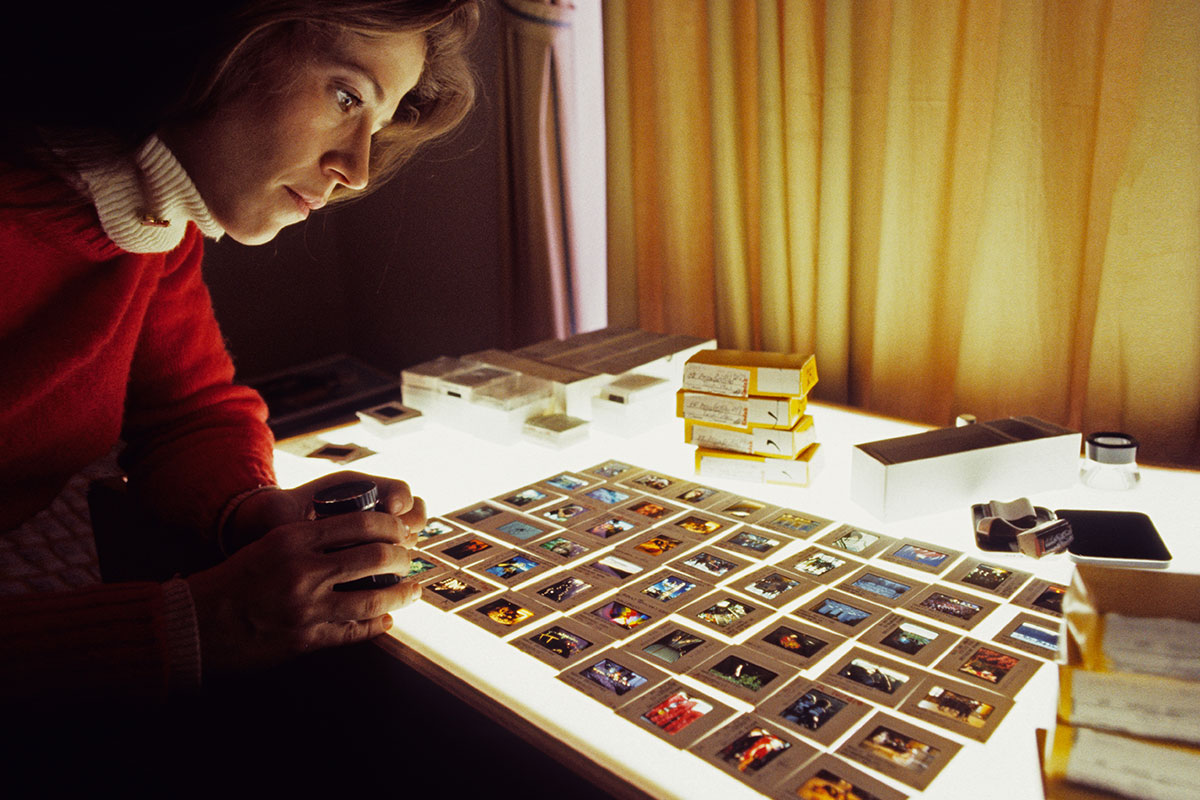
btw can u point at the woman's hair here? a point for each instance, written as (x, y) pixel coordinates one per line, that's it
(96, 84)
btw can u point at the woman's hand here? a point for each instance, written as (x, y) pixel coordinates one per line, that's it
(266, 510)
(274, 598)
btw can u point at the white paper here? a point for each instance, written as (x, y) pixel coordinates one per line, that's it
(735, 468)
(1153, 707)
(721, 439)
(1154, 645)
(778, 381)
(1132, 768)
(720, 410)
(727, 381)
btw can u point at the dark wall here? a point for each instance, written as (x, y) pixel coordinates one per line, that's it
(408, 273)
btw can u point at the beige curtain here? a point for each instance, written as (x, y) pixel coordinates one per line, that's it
(982, 206)
(538, 247)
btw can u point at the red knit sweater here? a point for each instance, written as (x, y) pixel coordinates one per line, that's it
(98, 344)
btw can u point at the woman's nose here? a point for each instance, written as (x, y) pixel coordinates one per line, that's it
(349, 163)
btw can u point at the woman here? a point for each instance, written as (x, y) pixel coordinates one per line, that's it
(120, 160)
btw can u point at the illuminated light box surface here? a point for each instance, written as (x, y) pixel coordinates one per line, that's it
(453, 471)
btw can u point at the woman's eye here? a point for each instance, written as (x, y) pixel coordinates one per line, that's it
(348, 101)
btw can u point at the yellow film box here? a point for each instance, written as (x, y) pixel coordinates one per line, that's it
(740, 412)
(752, 440)
(798, 471)
(746, 373)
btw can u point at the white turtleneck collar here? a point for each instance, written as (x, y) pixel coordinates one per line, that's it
(145, 204)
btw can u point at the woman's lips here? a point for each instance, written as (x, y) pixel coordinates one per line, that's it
(305, 203)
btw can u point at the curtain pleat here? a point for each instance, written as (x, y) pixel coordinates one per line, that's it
(539, 247)
(981, 206)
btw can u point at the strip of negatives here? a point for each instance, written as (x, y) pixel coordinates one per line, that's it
(840, 612)
(950, 606)
(612, 677)
(791, 641)
(873, 677)
(880, 586)
(678, 714)
(828, 776)
(1031, 634)
(755, 751)
(988, 576)
(959, 708)
(990, 666)
(921, 556)
(814, 710)
(911, 639)
(674, 647)
(821, 565)
(856, 541)
(560, 644)
(726, 613)
(901, 750)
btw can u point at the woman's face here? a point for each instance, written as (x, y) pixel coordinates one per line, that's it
(269, 157)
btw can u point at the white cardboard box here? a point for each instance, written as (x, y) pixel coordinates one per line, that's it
(798, 471)
(572, 389)
(632, 404)
(949, 468)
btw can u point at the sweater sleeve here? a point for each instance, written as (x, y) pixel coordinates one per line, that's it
(195, 438)
(128, 640)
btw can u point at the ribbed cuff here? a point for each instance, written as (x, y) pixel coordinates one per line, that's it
(182, 637)
(228, 511)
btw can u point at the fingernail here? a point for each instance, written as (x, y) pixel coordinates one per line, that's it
(388, 622)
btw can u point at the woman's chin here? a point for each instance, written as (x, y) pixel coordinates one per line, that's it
(256, 234)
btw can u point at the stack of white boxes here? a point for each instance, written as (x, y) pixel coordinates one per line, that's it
(617, 379)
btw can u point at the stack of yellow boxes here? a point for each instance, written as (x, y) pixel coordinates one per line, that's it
(745, 412)
(1129, 688)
